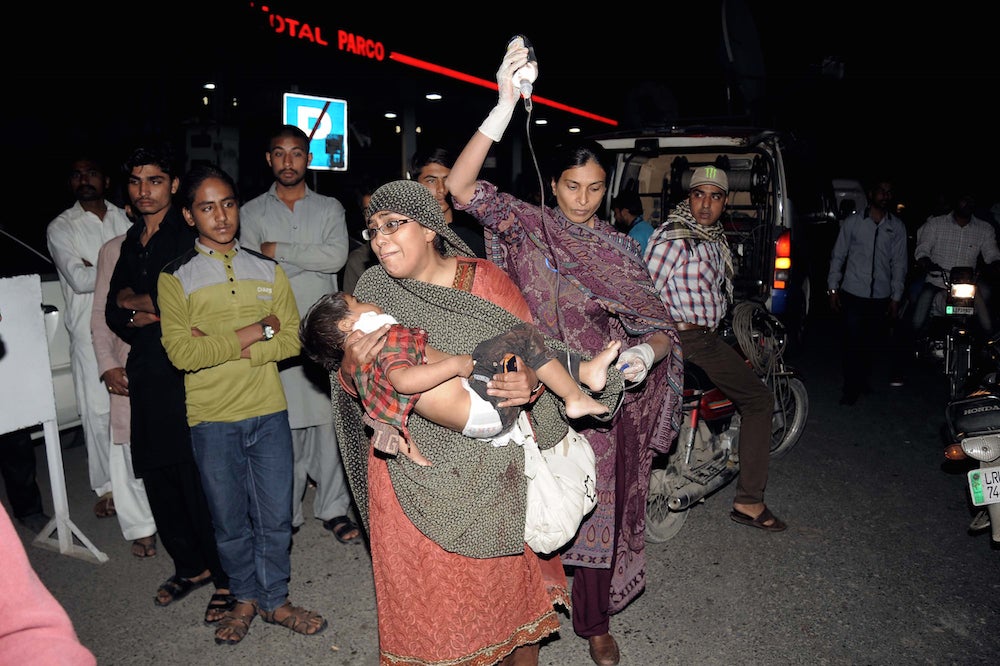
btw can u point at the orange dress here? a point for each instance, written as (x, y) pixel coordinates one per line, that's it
(437, 607)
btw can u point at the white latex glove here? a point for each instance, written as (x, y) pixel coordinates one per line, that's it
(635, 362)
(496, 123)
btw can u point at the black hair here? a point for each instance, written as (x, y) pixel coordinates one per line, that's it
(291, 131)
(197, 175)
(422, 158)
(576, 154)
(321, 337)
(628, 200)
(86, 157)
(158, 153)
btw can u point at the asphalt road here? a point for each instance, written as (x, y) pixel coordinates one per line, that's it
(875, 568)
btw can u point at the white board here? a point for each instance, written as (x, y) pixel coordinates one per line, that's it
(26, 394)
(28, 399)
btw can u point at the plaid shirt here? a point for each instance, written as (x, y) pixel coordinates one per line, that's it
(949, 245)
(689, 277)
(403, 347)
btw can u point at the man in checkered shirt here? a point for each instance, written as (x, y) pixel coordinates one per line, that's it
(958, 238)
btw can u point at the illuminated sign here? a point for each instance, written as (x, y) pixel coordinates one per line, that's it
(324, 120)
(375, 50)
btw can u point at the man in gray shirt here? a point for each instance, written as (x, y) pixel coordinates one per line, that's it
(306, 233)
(866, 282)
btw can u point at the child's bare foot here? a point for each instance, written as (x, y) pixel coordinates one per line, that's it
(411, 451)
(583, 405)
(594, 373)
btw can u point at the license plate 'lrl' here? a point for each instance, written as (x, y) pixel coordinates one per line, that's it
(984, 485)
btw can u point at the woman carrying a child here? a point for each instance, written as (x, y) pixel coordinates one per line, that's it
(479, 594)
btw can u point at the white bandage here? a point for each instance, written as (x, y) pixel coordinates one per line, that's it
(496, 123)
(372, 321)
(635, 362)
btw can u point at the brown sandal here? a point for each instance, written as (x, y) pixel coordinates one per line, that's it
(105, 507)
(144, 547)
(298, 619)
(235, 624)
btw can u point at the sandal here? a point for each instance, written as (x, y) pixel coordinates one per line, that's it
(177, 588)
(220, 604)
(105, 507)
(765, 521)
(298, 619)
(342, 525)
(235, 624)
(144, 547)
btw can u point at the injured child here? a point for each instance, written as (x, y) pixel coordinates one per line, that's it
(449, 389)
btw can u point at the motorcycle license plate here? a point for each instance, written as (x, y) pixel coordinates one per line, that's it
(960, 310)
(984, 485)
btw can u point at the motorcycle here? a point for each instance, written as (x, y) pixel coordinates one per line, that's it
(952, 337)
(973, 426)
(705, 456)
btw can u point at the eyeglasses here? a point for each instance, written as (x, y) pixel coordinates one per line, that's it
(388, 228)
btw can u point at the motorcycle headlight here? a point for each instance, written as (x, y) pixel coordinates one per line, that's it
(963, 290)
(984, 447)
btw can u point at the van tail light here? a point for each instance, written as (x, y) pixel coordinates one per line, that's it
(782, 260)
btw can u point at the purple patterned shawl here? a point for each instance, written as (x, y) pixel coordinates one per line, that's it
(606, 294)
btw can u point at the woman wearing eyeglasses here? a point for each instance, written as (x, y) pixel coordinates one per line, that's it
(454, 580)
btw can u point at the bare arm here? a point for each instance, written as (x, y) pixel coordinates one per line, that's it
(661, 344)
(425, 376)
(462, 177)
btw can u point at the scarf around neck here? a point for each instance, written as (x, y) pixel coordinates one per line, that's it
(681, 225)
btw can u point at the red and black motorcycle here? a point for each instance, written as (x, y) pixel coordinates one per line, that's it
(705, 456)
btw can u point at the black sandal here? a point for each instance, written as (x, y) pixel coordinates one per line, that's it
(342, 525)
(178, 588)
(220, 604)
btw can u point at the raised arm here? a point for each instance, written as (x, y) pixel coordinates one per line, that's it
(410, 379)
(462, 178)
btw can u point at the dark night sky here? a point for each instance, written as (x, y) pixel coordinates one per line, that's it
(914, 102)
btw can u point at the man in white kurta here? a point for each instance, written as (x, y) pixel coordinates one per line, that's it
(306, 233)
(74, 239)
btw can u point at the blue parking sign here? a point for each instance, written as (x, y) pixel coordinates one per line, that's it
(325, 120)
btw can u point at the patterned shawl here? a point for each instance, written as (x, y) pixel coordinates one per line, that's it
(592, 259)
(471, 501)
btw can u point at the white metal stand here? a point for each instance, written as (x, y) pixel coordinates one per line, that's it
(63, 527)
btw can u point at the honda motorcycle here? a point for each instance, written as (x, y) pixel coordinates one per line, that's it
(952, 333)
(973, 426)
(705, 456)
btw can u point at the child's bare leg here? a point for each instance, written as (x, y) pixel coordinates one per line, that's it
(594, 373)
(559, 381)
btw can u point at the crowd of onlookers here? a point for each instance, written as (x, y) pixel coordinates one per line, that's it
(213, 393)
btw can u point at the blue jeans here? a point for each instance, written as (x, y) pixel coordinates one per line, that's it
(246, 469)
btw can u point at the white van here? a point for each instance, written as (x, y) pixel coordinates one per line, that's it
(848, 197)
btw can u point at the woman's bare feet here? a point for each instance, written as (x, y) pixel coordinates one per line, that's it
(594, 373)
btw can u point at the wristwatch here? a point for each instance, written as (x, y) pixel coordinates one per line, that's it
(268, 330)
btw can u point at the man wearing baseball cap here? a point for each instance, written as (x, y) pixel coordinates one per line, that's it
(691, 264)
